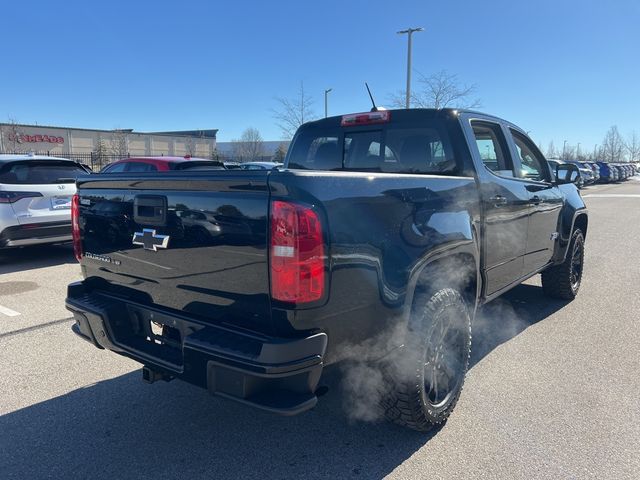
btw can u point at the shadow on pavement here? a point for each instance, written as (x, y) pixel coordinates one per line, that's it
(507, 316)
(122, 428)
(29, 258)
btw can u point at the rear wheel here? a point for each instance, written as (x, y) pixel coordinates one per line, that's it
(427, 379)
(563, 281)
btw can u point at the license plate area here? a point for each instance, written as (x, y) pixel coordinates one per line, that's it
(153, 333)
(61, 202)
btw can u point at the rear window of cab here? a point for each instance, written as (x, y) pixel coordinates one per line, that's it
(387, 149)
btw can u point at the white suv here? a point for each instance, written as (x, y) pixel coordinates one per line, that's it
(35, 199)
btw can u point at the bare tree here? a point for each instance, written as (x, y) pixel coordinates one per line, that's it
(100, 152)
(10, 137)
(632, 145)
(569, 152)
(551, 150)
(597, 153)
(439, 90)
(613, 146)
(250, 146)
(293, 112)
(119, 144)
(280, 153)
(583, 155)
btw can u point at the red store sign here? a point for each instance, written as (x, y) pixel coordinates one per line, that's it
(21, 138)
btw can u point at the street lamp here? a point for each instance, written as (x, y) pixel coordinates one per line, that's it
(578, 150)
(326, 93)
(409, 32)
(564, 150)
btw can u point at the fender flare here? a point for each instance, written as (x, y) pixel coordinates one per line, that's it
(470, 249)
(562, 246)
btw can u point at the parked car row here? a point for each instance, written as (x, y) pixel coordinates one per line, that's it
(167, 164)
(36, 192)
(615, 172)
(599, 172)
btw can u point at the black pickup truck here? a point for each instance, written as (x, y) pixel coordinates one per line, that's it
(395, 225)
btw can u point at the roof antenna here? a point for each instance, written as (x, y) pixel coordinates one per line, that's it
(374, 109)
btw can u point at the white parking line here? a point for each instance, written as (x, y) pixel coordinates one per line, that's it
(612, 195)
(8, 312)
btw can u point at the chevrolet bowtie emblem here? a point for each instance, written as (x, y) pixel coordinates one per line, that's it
(150, 240)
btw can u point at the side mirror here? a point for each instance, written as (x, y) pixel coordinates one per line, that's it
(567, 173)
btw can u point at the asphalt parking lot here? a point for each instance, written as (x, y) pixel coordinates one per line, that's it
(553, 392)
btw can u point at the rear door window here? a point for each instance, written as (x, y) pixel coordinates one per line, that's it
(46, 172)
(492, 148)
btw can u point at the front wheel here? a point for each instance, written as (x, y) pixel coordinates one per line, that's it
(563, 281)
(427, 379)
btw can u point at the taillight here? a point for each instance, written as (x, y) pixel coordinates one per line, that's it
(75, 226)
(367, 118)
(297, 258)
(12, 197)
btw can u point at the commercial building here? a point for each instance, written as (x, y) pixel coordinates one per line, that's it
(122, 142)
(269, 148)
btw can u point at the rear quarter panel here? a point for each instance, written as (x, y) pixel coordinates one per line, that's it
(382, 230)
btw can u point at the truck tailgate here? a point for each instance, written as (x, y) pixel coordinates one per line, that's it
(193, 243)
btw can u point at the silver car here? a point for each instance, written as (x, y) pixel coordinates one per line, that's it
(35, 199)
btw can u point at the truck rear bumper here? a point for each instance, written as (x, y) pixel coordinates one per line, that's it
(279, 375)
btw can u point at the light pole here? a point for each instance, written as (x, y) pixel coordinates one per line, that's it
(326, 93)
(578, 151)
(409, 32)
(564, 150)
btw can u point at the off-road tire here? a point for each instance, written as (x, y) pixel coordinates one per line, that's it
(405, 400)
(557, 280)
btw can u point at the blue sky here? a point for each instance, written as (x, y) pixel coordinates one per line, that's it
(561, 69)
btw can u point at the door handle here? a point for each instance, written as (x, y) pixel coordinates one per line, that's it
(535, 200)
(498, 200)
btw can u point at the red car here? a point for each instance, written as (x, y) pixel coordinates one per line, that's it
(160, 164)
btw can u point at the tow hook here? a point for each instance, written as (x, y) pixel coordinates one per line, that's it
(149, 375)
